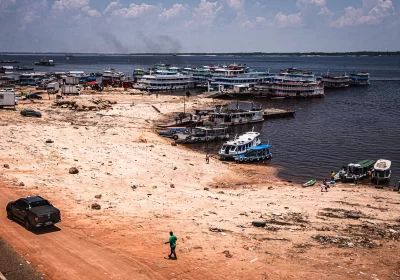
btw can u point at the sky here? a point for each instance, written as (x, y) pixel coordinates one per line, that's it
(126, 26)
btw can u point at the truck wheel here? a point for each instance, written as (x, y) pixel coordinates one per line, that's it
(9, 214)
(27, 225)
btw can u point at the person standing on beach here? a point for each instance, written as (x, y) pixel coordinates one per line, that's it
(172, 243)
(324, 186)
(207, 158)
(332, 176)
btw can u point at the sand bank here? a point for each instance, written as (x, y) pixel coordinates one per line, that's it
(149, 187)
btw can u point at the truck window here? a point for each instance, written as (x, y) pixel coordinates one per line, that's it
(39, 203)
(21, 204)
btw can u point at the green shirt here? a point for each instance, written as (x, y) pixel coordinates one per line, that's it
(172, 241)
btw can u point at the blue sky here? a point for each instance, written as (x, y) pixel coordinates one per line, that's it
(126, 26)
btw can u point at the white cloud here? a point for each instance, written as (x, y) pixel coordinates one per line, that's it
(174, 11)
(204, 14)
(259, 21)
(353, 16)
(282, 20)
(112, 6)
(236, 4)
(134, 11)
(259, 5)
(4, 4)
(325, 12)
(91, 12)
(302, 3)
(383, 9)
(61, 5)
(33, 11)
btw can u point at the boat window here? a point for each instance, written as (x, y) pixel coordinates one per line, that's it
(233, 149)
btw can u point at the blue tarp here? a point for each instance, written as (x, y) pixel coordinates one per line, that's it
(260, 147)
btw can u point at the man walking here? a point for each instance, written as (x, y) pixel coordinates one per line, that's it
(207, 158)
(172, 243)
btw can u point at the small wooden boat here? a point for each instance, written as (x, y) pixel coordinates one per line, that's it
(310, 183)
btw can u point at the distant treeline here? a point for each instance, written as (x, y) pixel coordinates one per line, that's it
(359, 53)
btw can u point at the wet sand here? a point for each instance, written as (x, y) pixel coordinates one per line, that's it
(149, 187)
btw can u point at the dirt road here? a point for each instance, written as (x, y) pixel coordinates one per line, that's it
(61, 253)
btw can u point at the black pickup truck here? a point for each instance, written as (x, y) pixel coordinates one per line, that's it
(33, 211)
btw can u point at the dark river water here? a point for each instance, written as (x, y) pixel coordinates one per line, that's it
(348, 125)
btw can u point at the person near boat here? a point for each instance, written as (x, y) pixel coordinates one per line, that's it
(332, 176)
(207, 158)
(324, 186)
(172, 243)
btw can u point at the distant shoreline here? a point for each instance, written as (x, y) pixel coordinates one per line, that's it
(312, 54)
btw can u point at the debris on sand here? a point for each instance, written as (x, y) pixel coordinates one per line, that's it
(258, 224)
(215, 229)
(341, 213)
(91, 104)
(6, 166)
(49, 141)
(73, 170)
(346, 242)
(21, 184)
(96, 206)
(98, 196)
(227, 254)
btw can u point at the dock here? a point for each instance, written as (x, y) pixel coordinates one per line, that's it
(273, 113)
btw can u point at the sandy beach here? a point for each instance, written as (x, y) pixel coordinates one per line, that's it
(147, 187)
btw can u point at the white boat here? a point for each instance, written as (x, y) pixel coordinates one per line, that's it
(201, 134)
(240, 145)
(382, 171)
(359, 79)
(164, 82)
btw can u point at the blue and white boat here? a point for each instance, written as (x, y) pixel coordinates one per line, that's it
(240, 145)
(359, 79)
(260, 152)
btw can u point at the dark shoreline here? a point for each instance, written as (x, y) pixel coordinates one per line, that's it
(13, 266)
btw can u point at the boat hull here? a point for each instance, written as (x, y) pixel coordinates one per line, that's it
(188, 139)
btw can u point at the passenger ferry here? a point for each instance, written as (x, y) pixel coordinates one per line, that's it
(359, 79)
(240, 145)
(249, 79)
(292, 89)
(235, 117)
(335, 81)
(201, 76)
(164, 81)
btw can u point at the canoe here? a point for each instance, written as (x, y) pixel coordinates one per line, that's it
(310, 183)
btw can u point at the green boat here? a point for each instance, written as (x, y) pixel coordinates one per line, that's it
(358, 170)
(310, 183)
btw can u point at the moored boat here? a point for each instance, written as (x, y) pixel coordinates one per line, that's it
(359, 79)
(235, 117)
(201, 134)
(382, 171)
(24, 68)
(335, 81)
(260, 152)
(163, 81)
(358, 170)
(45, 62)
(239, 145)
